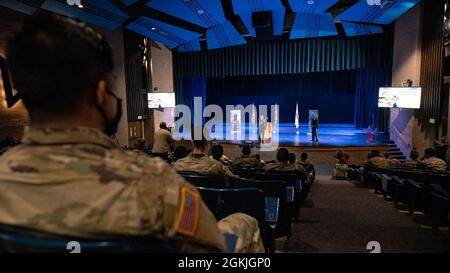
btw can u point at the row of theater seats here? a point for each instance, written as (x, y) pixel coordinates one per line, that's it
(273, 198)
(420, 190)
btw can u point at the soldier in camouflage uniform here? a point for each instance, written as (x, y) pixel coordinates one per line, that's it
(69, 178)
(393, 162)
(413, 162)
(431, 162)
(246, 160)
(199, 163)
(377, 161)
(282, 164)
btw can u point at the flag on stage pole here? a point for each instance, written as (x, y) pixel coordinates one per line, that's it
(297, 117)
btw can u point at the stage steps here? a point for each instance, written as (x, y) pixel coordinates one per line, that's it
(394, 151)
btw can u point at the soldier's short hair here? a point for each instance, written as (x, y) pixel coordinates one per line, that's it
(375, 153)
(414, 155)
(56, 63)
(205, 137)
(283, 155)
(304, 156)
(163, 125)
(246, 150)
(429, 152)
(217, 151)
(292, 158)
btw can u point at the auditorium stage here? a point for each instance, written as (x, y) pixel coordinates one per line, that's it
(330, 135)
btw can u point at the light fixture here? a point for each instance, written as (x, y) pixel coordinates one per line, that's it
(153, 28)
(310, 2)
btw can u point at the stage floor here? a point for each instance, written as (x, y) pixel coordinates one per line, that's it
(330, 135)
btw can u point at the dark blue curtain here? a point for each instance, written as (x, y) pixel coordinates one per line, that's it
(287, 57)
(368, 82)
(332, 93)
(187, 89)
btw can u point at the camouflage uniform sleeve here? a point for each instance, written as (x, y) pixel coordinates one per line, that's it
(183, 216)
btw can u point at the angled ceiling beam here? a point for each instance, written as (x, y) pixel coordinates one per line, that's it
(139, 9)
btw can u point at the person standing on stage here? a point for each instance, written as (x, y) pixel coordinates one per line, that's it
(262, 128)
(162, 141)
(314, 127)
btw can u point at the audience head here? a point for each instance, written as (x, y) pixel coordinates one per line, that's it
(217, 152)
(375, 153)
(180, 152)
(429, 152)
(304, 156)
(283, 155)
(200, 142)
(140, 144)
(292, 158)
(387, 155)
(246, 150)
(163, 125)
(63, 71)
(414, 155)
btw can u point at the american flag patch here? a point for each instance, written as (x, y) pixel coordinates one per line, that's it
(189, 213)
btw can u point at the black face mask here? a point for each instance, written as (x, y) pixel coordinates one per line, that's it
(112, 125)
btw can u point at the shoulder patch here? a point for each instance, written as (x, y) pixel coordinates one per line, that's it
(189, 213)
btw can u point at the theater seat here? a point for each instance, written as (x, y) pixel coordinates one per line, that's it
(277, 217)
(292, 180)
(223, 202)
(216, 182)
(440, 205)
(23, 240)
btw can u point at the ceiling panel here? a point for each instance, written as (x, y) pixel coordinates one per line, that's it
(309, 25)
(245, 9)
(190, 46)
(169, 35)
(27, 7)
(97, 12)
(377, 14)
(205, 13)
(223, 35)
(352, 29)
(311, 6)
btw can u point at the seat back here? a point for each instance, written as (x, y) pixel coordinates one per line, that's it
(274, 192)
(15, 239)
(215, 182)
(223, 202)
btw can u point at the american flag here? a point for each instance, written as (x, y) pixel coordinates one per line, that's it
(189, 212)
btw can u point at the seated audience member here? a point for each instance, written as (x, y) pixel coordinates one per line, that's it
(246, 160)
(217, 154)
(69, 177)
(431, 162)
(199, 163)
(292, 158)
(179, 153)
(340, 169)
(377, 161)
(413, 162)
(307, 165)
(393, 163)
(282, 163)
(342, 156)
(140, 148)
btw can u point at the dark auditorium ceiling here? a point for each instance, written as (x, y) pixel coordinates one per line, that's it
(192, 25)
